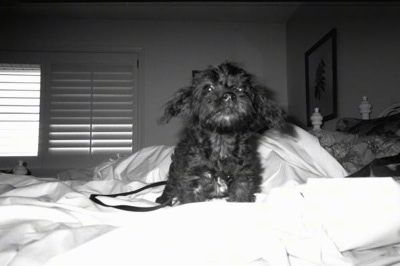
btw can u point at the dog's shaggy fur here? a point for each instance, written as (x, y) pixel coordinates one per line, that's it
(216, 157)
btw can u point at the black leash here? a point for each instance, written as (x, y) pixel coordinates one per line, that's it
(94, 198)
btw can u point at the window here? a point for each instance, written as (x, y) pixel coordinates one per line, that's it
(67, 109)
(91, 109)
(19, 109)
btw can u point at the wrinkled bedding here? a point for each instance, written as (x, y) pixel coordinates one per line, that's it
(305, 214)
(353, 151)
(388, 126)
(357, 142)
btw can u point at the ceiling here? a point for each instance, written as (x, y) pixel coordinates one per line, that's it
(238, 11)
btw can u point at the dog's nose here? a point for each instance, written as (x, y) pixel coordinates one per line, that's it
(228, 96)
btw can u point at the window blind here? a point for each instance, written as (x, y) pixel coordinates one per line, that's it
(91, 109)
(19, 109)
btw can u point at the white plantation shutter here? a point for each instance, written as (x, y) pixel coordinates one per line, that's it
(63, 110)
(19, 109)
(91, 109)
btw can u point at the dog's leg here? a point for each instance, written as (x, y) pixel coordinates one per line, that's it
(168, 194)
(191, 195)
(243, 187)
(198, 188)
(189, 187)
(241, 192)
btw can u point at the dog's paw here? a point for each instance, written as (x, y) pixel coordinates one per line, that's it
(241, 192)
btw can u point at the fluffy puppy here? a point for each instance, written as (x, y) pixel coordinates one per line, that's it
(224, 111)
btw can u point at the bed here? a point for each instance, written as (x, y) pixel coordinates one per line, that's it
(307, 213)
(358, 141)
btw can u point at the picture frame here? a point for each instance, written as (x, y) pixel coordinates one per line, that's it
(321, 79)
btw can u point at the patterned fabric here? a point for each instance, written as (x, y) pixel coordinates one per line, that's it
(384, 126)
(353, 151)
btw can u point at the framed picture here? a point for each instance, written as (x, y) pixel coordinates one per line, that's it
(320, 67)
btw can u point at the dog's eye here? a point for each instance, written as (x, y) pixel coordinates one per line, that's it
(240, 89)
(209, 88)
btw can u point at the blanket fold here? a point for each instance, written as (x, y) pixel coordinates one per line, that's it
(305, 214)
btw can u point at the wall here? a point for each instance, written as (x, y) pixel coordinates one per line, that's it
(170, 51)
(368, 54)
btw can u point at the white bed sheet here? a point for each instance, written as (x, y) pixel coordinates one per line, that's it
(306, 214)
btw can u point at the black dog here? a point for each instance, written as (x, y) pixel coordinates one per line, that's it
(217, 156)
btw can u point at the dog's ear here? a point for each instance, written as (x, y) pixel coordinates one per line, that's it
(178, 106)
(270, 115)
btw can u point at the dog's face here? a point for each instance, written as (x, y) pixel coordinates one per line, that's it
(224, 99)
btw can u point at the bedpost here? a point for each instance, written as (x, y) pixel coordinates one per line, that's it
(365, 108)
(316, 119)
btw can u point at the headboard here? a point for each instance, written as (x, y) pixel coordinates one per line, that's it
(365, 109)
(355, 142)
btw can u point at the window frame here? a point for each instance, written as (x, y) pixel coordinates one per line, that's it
(43, 58)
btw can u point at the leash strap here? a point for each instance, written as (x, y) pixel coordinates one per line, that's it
(94, 198)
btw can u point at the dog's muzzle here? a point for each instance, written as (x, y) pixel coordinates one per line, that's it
(228, 96)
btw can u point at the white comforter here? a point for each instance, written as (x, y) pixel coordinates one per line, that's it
(307, 214)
